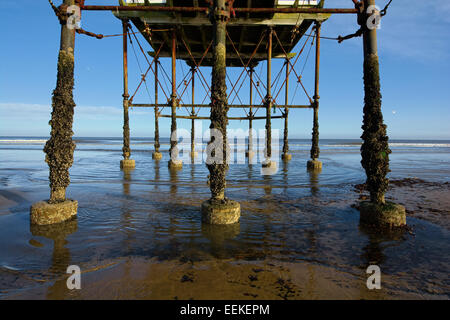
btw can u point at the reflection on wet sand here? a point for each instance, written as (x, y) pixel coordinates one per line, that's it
(156, 168)
(249, 177)
(61, 255)
(314, 181)
(373, 252)
(193, 175)
(173, 173)
(218, 235)
(284, 172)
(126, 180)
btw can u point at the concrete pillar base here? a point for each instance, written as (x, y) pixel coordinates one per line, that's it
(157, 155)
(387, 215)
(194, 154)
(249, 154)
(314, 165)
(269, 167)
(175, 164)
(286, 157)
(217, 212)
(127, 164)
(44, 213)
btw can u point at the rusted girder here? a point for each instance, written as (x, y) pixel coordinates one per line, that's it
(206, 9)
(208, 118)
(235, 106)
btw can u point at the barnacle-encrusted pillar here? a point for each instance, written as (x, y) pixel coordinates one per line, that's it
(267, 162)
(375, 148)
(126, 163)
(314, 163)
(174, 162)
(219, 209)
(157, 155)
(286, 156)
(250, 153)
(60, 147)
(193, 153)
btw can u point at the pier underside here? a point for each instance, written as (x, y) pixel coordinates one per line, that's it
(246, 31)
(221, 34)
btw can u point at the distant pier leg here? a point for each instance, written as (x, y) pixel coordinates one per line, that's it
(219, 209)
(314, 163)
(193, 153)
(286, 156)
(375, 148)
(60, 147)
(126, 163)
(250, 153)
(269, 165)
(174, 162)
(156, 154)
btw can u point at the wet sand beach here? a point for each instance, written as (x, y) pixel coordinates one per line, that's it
(138, 234)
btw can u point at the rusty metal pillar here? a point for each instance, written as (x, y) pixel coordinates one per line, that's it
(286, 156)
(314, 163)
(268, 153)
(268, 166)
(250, 152)
(59, 148)
(126, 151)
(174, 163)
(193, 153)
(375, 148)
(157, 154)
(219, 209)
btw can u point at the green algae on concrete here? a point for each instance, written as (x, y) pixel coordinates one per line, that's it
(384, 215)
(314, 165)
(221, 212)
(127, 164)
(45, 213)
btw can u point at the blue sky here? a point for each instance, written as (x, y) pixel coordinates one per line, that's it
(414, 49)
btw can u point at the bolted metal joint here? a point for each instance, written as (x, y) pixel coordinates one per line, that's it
(61, 13)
